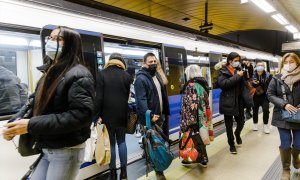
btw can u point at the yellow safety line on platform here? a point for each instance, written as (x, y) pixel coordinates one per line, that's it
(177, 170)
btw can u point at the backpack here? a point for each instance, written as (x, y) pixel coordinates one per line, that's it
(157, 151)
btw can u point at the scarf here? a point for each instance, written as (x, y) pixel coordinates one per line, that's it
(291, 77)
(115, 62)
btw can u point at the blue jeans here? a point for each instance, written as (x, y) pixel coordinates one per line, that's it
(59, 164)
(117, 133)
(288, 136)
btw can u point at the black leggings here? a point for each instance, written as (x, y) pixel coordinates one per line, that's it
(264, 103)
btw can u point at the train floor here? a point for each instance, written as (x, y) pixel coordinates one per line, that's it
(257, 158)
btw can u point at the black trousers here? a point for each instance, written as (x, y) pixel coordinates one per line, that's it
(264, 103)
(199, 145)
(240, 121)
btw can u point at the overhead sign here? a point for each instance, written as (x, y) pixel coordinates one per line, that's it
(291, 46)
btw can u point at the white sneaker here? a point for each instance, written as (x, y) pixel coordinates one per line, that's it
(138, 135)
(141, 140)
(266, 129)
(255, 127)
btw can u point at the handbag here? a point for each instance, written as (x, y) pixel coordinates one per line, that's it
(187, 149)
(27, 145)
(132, 120)
(90, 144)
(102, 151)
(289, 117)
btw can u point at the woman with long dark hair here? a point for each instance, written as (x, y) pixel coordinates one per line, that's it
(63, 107)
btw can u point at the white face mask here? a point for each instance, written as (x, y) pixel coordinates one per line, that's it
(290, 67)
(236, 64)
(260, 68)
(50, 49)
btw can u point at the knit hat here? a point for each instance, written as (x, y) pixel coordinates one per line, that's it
(117, 56)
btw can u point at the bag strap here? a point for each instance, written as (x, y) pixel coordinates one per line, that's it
(148, 121)
(185, 144)
(282, 87)
(32, 167)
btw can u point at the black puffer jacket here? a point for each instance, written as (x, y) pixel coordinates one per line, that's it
(67, 119)
(235, 93)
(275, 96)
(113, 88)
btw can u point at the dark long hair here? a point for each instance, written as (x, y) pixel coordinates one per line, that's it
(70, 56)
(231, 56)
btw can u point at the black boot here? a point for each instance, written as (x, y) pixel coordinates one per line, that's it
(123, 175)
(113, 174)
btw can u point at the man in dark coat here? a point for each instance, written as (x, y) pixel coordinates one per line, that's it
(112, 93)
(260, 81)
(151, 95)
(248, 68)
(234, 96)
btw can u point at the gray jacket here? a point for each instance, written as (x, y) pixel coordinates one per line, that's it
(275, 96)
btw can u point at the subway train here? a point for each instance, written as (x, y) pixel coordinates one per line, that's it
(24, 27)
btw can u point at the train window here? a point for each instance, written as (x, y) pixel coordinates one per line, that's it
(133, 55)
(214, 58)
(20, 54)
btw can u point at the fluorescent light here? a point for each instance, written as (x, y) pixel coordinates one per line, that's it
(279, 18)
(291, 28)
(264, 5)
(244, 1)
(16, 41)
(297, 35)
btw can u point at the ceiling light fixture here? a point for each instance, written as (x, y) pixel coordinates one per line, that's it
(279, 18)
(291, 28)
(244, 1)
(264, 5)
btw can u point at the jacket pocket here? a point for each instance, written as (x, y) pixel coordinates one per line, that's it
(227, 100)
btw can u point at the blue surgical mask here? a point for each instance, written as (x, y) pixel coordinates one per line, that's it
(260, 68)
(51, 47)
(235, 64)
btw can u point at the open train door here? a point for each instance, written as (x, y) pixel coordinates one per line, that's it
(175, 61)
(92, 44)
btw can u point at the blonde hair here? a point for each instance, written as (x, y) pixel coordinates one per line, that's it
(161, 73)
(193, 71)
(292, 55)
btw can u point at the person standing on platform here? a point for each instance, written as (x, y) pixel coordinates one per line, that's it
(62, 111)
(288, 80)
(196, 94)
(113, 89)
(247, 66)
(234, 96)
(151, 95)
(260, 81)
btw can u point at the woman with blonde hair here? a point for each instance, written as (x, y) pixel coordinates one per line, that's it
(283, 92)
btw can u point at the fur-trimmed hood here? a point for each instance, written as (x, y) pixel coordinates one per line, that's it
(219, 65)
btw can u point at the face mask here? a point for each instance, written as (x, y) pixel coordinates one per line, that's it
(260, 68)
(290, 67)
(152, 69)
(50, 49)
(236, 64)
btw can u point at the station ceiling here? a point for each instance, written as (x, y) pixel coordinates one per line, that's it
(227, 15)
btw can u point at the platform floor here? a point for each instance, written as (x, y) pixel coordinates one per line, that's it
(255, 157)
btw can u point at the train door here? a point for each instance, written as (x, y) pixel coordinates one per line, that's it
(215, 58)
(201, 60)
(92, 43)
(133, 52)
(175, 60)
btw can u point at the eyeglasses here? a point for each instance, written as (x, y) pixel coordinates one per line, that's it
(54, 38)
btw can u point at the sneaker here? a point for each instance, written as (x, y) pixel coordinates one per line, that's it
(187, 163)
(233, 150)
(255, 127)
(138, 135)
(266, 129)
(248, 115)
(141, 140)
(203, 164)
(160, 175)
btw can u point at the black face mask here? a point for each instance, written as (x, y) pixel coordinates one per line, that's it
(152, 69)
